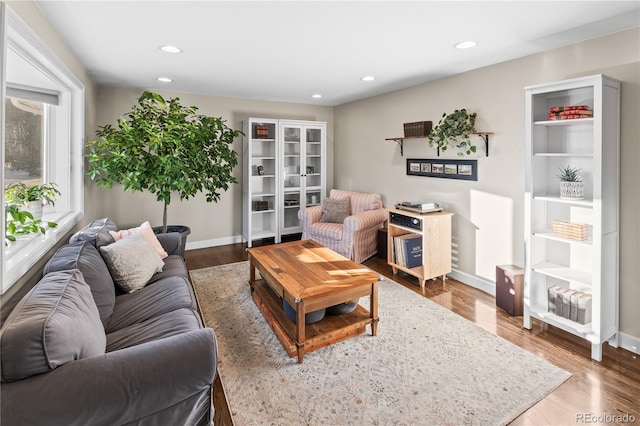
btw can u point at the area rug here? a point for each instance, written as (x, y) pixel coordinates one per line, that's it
(426, 366)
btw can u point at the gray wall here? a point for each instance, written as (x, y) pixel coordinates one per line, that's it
(210, 223)
(488, 227)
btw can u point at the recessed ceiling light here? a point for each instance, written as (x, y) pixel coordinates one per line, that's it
(165, 79)
(170, 49)
(316, 95)
(465, 44)
(368, 78)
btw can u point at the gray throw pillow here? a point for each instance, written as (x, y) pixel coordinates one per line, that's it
(335, 211)
(85, 257)
(132, 262)
(97, 233)
(55, 323)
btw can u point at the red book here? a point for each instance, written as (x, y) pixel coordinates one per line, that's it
(566, 117)
(568, 108)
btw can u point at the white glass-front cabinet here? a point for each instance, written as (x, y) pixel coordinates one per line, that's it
(284, 165)
(303, 146)
(571, 245)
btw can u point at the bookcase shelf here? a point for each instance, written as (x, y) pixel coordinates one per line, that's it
(435, 229)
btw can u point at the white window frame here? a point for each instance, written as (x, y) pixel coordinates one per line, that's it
(64, 160)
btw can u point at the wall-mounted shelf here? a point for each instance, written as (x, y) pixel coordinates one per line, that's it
(400, 141)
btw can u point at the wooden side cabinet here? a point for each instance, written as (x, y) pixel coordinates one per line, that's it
(509, 288)
(435, 229)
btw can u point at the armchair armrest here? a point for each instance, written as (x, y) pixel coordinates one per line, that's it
(116, 388)
(364, 220)
(171, 242)
(309, 216)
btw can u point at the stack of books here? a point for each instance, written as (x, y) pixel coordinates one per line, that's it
(570, 112)
(407, 250)
(568, 303)
(570, 230)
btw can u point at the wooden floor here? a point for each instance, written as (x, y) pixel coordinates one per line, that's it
(608, 388)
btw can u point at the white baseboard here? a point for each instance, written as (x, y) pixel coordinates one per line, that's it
(482, 284)
(629, 342)
(213, 243)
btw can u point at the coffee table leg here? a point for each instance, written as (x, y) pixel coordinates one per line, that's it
(300, 337)
(373, 308)
(252, 270)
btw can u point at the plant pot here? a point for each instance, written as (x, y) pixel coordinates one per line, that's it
(572, 190)
(35, 208)
(184, 231)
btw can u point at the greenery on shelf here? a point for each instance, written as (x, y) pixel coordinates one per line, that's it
(165, 148)
(453, 130)
(22, 223)
(570, 174)
(20, 194)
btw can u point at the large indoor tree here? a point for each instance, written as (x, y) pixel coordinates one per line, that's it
(165, 148)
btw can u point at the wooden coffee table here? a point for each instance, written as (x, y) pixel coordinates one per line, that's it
(310, 277)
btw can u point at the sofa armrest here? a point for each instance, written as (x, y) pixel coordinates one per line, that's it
(171, 242)
(309, 216)
(116, 388)
(364, 220)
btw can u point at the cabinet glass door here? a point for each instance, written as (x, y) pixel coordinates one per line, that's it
(313, 173)
(292, 146)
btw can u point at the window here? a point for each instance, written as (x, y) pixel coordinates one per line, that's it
(42, 138)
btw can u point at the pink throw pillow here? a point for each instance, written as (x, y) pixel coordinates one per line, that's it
(147, 233)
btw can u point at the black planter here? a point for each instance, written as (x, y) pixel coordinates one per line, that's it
(184, 231)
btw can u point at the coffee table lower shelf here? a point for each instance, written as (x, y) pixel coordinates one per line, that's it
(331, 329)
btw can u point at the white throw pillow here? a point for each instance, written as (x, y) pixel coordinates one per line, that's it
(132, 262)
(146, 231)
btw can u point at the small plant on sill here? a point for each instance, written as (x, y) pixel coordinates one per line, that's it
(21, 223)
(453, 131)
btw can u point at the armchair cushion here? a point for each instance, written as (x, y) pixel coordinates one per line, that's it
(335, 210)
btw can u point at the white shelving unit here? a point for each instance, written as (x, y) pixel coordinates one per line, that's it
(303, 147)
(284, 168)
(259, 183)
(592, 144)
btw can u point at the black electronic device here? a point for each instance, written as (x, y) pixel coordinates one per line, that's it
(406, 221)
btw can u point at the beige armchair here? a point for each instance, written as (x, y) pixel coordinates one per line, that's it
(356, 237)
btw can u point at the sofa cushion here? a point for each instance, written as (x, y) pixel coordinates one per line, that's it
(55, 323)
(165, 295)
(174, 266)
(334, 210)
(169, 324)
(85, 257)
(132, 261)
(97, 233)
(147, 233)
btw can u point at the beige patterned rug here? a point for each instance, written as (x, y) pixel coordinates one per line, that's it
(426, 366)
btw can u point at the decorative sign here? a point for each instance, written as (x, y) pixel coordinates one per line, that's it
(441, 168)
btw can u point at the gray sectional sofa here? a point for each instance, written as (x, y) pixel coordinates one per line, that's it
(76, 350)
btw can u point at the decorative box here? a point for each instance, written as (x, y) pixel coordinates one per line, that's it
(417, 129)
(260, 206)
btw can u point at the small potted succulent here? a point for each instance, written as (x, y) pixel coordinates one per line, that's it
(31, 198)
(571, 185)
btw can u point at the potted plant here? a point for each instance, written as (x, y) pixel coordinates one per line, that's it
(22, 223)
(165, 148)
(571, 185)
(32, 198)
(453, 131)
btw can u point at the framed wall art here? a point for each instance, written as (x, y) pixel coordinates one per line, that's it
(441, 168)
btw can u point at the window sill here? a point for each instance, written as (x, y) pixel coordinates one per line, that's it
(23, 254)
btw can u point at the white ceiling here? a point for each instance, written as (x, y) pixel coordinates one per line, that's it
(287, 51)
